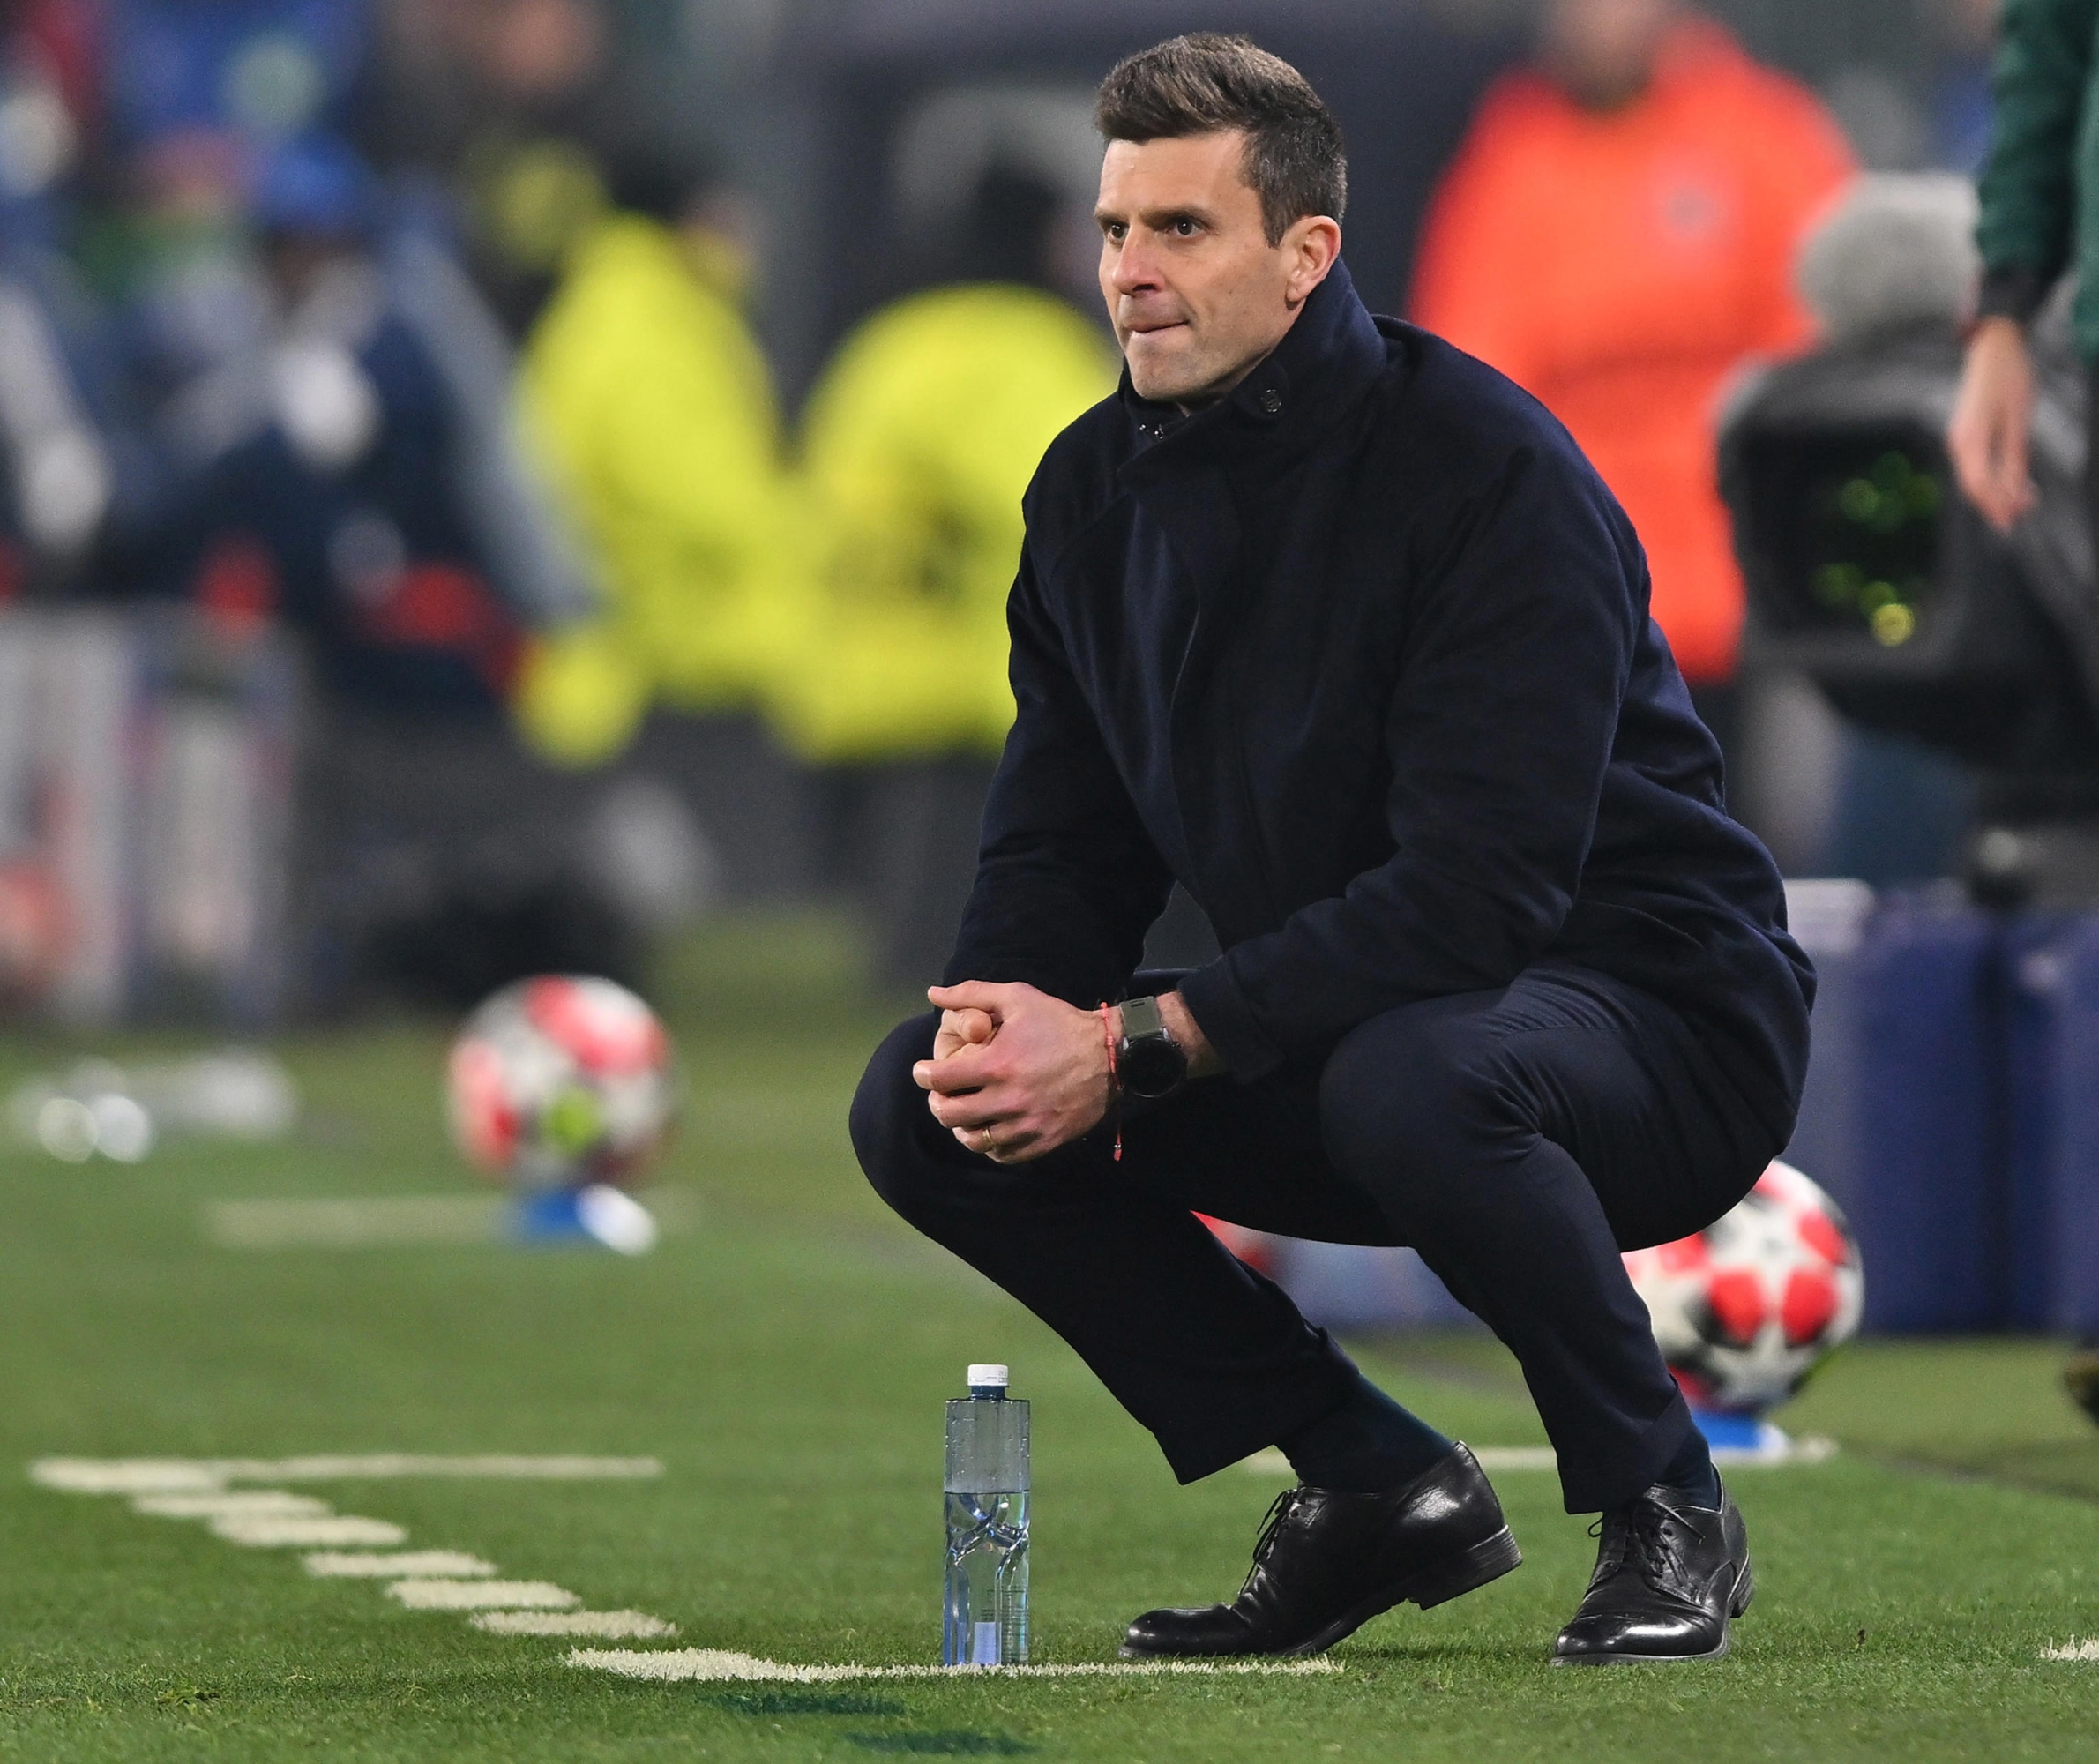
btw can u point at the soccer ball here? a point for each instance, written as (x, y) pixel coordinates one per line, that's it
(559, 1083)
(1745, 1310)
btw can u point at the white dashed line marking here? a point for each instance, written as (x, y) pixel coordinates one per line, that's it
(267, 1531)
(2072, 1650)
(349, 1546)
(365, 1565)
(278, 1502)
(637, 1624)
(445, 1594)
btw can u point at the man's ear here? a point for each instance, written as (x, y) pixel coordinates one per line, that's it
(1310, 248)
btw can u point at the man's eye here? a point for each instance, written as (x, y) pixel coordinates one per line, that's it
(1185, 230)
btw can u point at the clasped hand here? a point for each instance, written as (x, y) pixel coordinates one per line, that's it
(1015, 1074)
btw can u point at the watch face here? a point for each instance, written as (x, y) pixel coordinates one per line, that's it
(1152, 1066)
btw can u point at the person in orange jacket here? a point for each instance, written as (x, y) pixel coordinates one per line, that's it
(1616, 234)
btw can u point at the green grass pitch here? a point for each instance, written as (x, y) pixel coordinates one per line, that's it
(785, 1355)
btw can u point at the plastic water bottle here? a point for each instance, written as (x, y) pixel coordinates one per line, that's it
(985, 1616)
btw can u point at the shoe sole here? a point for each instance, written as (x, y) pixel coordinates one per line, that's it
(1746, 1590)
(1461, 1572)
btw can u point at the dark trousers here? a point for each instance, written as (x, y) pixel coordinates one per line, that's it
(1518, 1139)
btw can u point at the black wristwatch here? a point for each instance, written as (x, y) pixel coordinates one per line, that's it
(1148, 1061)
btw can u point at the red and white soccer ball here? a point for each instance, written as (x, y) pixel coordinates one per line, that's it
(1746, 1309)
(561, 1081)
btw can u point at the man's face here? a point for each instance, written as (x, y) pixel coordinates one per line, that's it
(1603, 52)
(1196, 293)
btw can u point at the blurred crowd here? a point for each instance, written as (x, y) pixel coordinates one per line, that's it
(414, 328)
(419, 328)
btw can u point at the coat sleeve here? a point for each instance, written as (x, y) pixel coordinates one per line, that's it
(1497, 737)
(2028, 186)
(1068, 881)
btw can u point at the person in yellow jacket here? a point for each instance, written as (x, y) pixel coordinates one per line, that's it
(918, 443)
(653, 413)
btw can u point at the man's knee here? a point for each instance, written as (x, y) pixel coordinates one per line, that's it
(889, 1118)
(1410, 1105)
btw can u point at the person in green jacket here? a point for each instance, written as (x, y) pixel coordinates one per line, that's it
(2040, 216)
(918, 442)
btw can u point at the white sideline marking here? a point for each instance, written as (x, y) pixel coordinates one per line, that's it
(1270, 1461)
(204, 1476)
(266, 1531)
(1812, 1448)
(676, 1664)
(437, 1594)
(638, 1624)
(280, 1502)
(365, 1565)
(380, 1221)
(382, 1465)
(1515, 1458)
(2073, 1649)
(368, 1222)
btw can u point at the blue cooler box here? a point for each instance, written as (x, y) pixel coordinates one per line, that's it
(1900, 1120)
(2051, 1085)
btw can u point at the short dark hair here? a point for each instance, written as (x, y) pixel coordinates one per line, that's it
(1205, 82)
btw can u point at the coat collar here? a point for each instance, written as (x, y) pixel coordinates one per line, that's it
(1323, 367)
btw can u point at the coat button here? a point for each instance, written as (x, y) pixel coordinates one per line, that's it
(1271, 402)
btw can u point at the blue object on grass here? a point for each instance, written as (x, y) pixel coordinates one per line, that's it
(555, 1216)
(1729, 1432)
(596, 1214)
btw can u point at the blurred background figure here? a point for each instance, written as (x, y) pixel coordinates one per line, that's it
(1959, 110)
(329, 470)
(489, 109)
(320, 445)
(2037, 222)
(2037, 194)
(650, 400)
(919, 441)
(1616, 234)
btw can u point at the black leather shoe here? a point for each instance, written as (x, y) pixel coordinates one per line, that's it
(1669, 1577)
(1328, 1562)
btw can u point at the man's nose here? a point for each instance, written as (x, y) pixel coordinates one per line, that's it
(1135, 269)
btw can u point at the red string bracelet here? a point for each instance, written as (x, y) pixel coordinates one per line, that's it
(1107, 1031)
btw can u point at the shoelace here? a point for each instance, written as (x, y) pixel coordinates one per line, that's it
(1646, 1535)
(1279, 1510)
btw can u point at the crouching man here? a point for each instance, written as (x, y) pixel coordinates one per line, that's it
(1337, 626)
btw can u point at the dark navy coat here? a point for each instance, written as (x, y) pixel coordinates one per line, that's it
(1361, 656)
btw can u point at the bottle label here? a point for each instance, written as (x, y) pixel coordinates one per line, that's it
(983, 1648)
